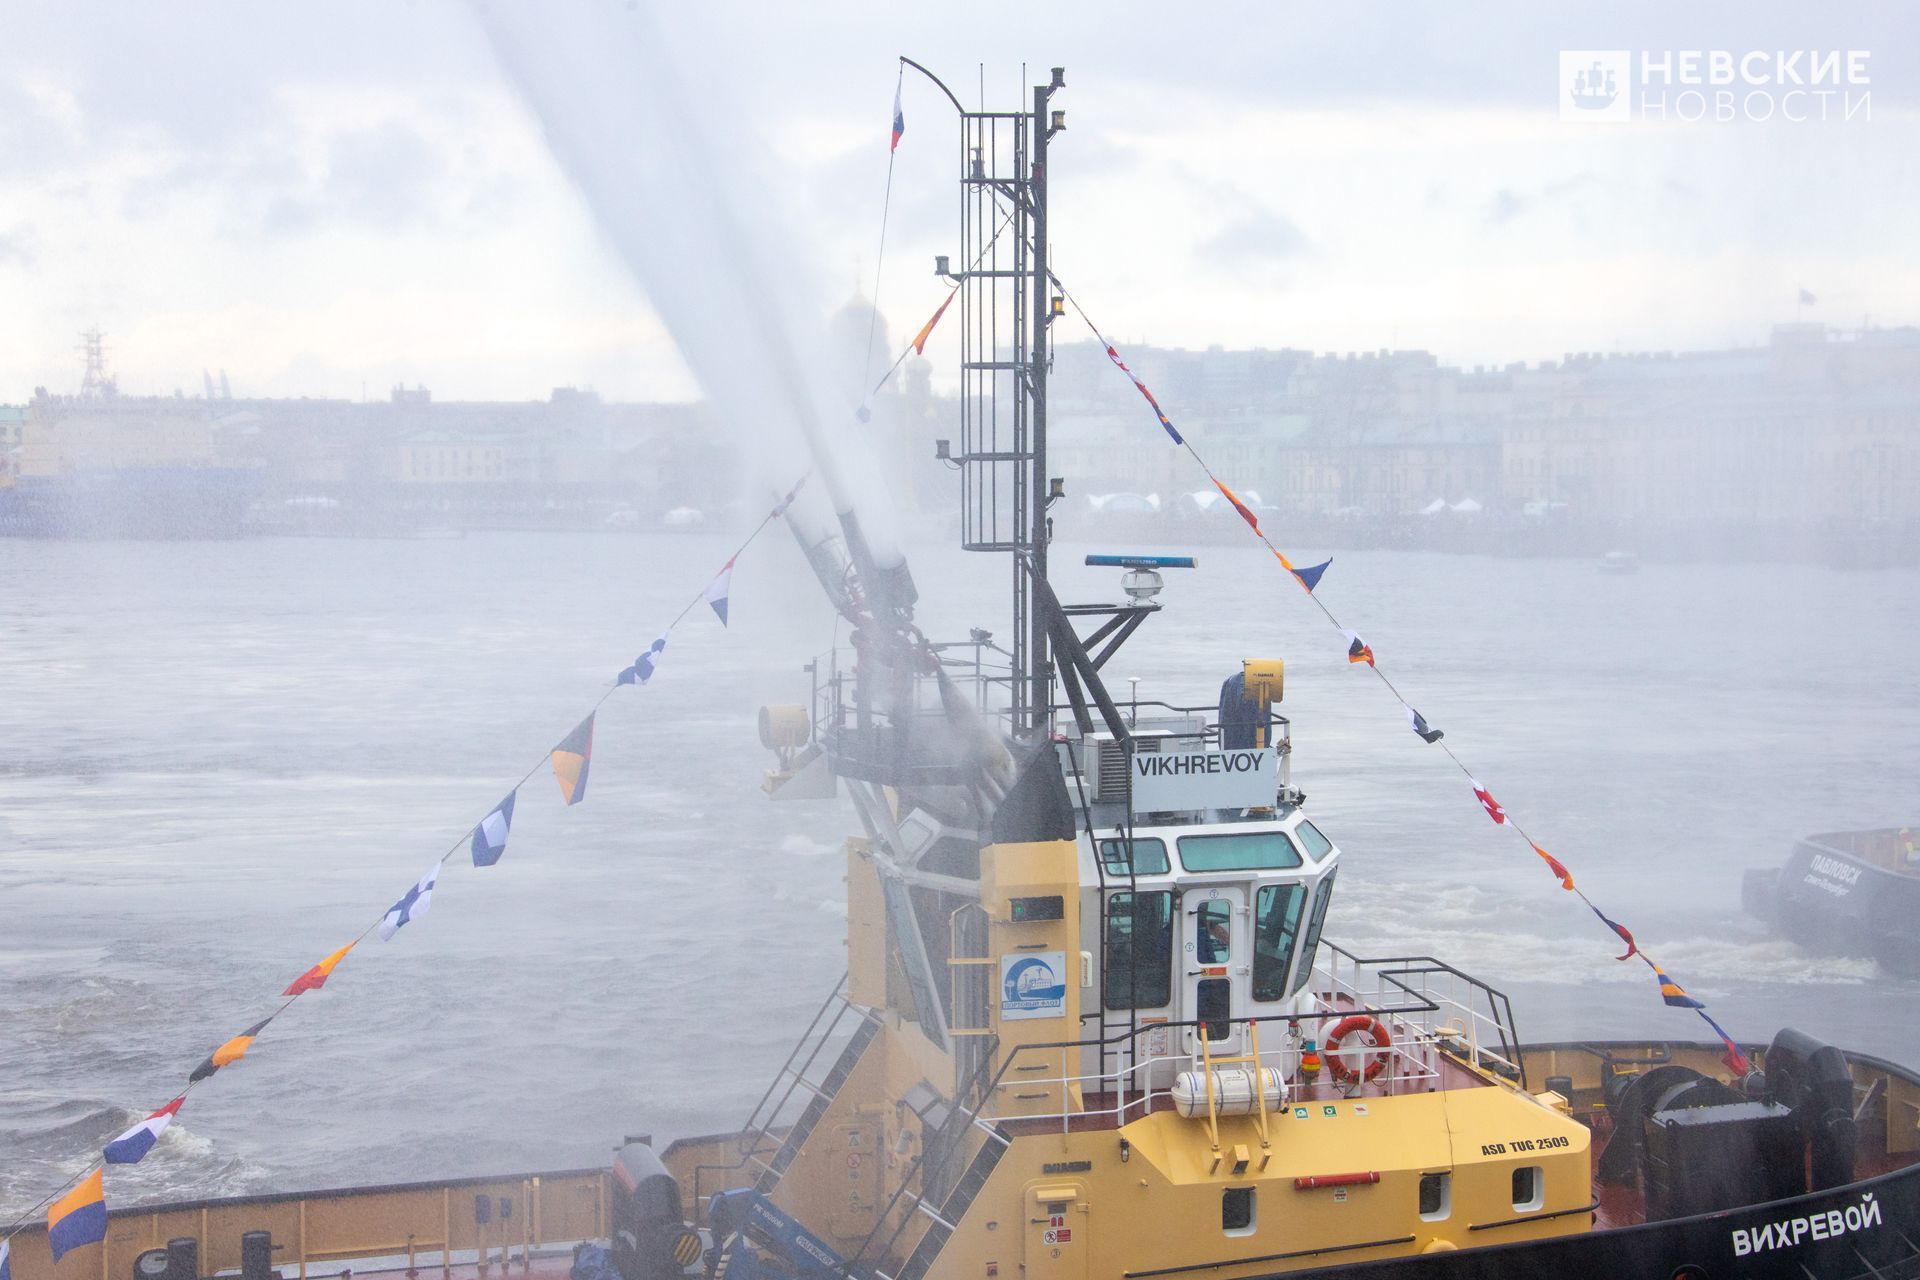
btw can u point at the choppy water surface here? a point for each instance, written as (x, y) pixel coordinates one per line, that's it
(220, 761)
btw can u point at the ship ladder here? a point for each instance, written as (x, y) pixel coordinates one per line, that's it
(1250, 1060)
(926, 1170)
(764, 1152)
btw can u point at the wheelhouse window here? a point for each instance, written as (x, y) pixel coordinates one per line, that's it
(1149, 857)
(1139, 950)
(1312, 943)
(1239, 851)
(1214, 998)
(1213, 932)
(1276, 923)
(1318, 846)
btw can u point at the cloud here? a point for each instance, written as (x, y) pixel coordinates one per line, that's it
(1504, 207)
(1261, 236)
(17, 245)
(385, 177)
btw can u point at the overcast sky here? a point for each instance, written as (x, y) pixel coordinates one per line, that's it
(321, 197)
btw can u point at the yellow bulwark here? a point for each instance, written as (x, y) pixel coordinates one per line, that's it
(419, 1228)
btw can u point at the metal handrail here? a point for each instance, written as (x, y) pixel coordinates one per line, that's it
(759, 1125)
(964, 1109)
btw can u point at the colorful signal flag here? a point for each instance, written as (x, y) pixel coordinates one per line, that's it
(490, 837)
(1246, 513)
(1420, 726)
(1141, 387)
(1556, 866)
(1310, 576)
(137, 1141)
(926, 330)
(1492, 807)
(412, 905)
(1672, 992)
(716, 592)
(1633, 948)
(316, 977)
(1358, 650)
(79, 1217)
(575, 752)
(232, 1051)
(646, 664)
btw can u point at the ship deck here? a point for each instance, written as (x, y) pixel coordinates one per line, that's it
(1103, 1110)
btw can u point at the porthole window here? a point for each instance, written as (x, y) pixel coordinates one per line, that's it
(1529, 1188)
(1236, 1211)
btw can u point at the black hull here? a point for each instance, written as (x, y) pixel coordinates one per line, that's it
(1829, 897)
(1760, 1242)
(1868, 1227)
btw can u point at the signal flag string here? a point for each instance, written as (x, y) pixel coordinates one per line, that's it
(918, 346)
(1360, 652)
(487, 839)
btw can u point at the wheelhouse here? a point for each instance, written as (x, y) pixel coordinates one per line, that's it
(1193, 921)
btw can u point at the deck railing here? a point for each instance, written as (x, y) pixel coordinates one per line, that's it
(1432, 1012)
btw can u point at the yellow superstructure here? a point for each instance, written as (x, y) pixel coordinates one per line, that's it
(1022, 1130)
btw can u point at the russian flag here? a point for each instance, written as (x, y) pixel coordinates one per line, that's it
(137, 1141)
(79, 1217)
(899, 120)
(716, 592)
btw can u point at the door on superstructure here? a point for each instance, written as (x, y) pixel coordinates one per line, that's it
(1214, 959)
(1055, 1243)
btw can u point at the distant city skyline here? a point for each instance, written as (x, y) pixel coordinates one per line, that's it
(233, 384)
(322, 207)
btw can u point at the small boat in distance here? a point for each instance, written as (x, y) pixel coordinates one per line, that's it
(1847, 892)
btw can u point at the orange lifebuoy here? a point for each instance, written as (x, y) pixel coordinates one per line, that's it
(1382, 1042)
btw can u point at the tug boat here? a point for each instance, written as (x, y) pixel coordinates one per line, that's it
(1091, 1025)
(1851, 892)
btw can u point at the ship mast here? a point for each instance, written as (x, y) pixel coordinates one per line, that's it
(1005, 307)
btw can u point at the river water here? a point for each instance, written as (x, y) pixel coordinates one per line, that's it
(222, 760)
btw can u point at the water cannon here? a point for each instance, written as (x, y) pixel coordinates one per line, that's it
(1246, 703)
(1142, 580)
(784, 729)
(1266, 680)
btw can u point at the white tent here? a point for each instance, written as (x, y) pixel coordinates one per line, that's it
(1466, 506)
(1434, 508)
